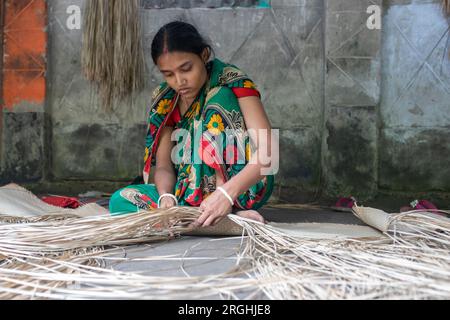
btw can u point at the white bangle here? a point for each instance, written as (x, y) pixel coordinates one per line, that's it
(226, 195)
(167, 195)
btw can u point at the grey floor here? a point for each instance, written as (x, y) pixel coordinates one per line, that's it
(183, 257)
(309, 215)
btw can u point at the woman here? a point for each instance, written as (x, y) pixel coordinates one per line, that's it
(201, 101)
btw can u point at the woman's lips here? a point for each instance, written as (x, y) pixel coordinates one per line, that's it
(183, 91)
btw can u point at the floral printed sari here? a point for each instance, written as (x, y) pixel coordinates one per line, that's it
(211, 139)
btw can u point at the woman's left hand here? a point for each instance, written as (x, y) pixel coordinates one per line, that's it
(214, 208)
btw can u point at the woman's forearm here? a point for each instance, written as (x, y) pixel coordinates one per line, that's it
(165, 180)
(241, 182)
(254, 171)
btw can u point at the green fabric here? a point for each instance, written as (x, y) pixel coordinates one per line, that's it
(132, 199)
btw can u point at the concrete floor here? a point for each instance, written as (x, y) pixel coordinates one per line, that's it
(212, 256)
(309, 214)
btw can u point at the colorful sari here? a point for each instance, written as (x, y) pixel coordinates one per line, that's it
(204, 146)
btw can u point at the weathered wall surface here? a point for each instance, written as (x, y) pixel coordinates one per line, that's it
(414, 148)
(22, 155)
(358, 109)
(352, 93)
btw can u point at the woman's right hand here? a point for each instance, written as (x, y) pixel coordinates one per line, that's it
(167, 202)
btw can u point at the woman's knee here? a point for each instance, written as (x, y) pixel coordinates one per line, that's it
(119, 205)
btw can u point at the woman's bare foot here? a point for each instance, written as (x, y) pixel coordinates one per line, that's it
(251, 214)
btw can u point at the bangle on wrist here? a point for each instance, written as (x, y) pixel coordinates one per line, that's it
(167, 195)
(226, 195)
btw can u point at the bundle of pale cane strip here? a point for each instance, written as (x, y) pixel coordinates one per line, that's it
(70, 233)
(413, 227)
(411, 263)
(40, 259)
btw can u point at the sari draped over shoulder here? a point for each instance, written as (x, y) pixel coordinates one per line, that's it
(210, 138)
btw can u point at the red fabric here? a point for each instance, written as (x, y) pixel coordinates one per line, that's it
(425, 204)
(63, 202)
(208, 155)
(246, 92)
(422, 205)
(345, 202)
(174, 118)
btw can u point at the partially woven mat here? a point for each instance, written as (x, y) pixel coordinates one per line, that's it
(17, 201)
(19, 204)
(225, 227)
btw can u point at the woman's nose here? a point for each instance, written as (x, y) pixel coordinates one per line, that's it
(180, 80)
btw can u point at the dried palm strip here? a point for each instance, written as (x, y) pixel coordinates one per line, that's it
(407, 265)
(349, 269)
(418, 224)
(19, 263)
(43, 280)
(284, 268)
(6, 219)
(60, 233)
(90, 231)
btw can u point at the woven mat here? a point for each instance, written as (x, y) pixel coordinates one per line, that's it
(19, 202)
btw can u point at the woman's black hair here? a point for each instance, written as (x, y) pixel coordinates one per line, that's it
(178, 36)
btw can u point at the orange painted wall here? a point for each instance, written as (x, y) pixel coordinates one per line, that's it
(25, 44)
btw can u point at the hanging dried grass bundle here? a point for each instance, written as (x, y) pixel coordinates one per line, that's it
(446, 6)
(112, 54)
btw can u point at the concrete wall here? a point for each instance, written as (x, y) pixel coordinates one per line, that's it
(359, 110)
(414, 148)
(352, 93)
(23, 120)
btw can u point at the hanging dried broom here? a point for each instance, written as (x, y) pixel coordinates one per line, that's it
(112, 53)
(446, 6)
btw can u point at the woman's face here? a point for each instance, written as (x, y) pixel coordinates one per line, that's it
(184, 72)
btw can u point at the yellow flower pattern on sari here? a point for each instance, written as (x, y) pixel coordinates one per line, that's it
(163, 106)
(215, 125)
(249, 84)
